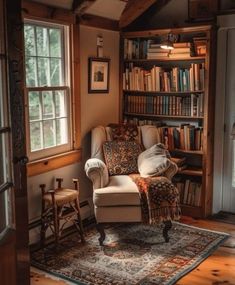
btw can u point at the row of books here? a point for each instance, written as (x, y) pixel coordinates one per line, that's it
(151, 49)
(159, 79)
(190, 192)
(185, 137)
(191, 106)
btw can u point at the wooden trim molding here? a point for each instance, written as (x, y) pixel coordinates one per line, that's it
(42, 11)
(53, 162)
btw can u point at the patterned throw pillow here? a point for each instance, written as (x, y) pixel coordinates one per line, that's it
(121, 157)
(124, 132)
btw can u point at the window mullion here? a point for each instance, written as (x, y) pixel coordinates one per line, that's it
(49, 59)
(36, 49)
(41, 120)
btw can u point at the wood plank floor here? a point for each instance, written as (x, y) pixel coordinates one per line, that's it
(217, 269)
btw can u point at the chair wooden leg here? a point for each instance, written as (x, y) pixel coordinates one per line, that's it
(100, 229)
(167, 227)
(79, 221)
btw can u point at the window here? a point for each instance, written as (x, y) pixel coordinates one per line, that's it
(47, 88)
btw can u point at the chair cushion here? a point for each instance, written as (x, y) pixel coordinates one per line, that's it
(120, 191)
(121, 157)
(153, 161)
(62, 196)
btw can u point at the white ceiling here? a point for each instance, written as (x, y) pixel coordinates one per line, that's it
(111, 9)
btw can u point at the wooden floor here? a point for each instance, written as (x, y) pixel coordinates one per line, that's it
(217, 269)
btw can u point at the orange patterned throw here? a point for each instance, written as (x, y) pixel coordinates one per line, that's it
(159, 199)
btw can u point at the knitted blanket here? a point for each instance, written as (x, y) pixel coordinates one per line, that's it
(159, 199)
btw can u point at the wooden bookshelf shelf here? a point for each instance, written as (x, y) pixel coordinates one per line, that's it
(188, 210)
(162, 93)
(164, 116)
(191, 171)
(199, 152)
(165, 59)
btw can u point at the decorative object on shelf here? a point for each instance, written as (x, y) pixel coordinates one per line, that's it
(98, 75)
(167, 43)
(99, 43)
(202, 10)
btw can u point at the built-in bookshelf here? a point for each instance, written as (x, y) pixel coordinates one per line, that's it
(173, 90)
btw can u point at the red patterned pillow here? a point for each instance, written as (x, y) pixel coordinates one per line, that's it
(124, 132)
(121, 157)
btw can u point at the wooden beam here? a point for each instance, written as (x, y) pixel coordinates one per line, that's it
(80, 6)
(99, 22)
(133, 10)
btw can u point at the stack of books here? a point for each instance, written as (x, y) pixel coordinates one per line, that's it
(154, 51)
(180, 162)
(181, 50)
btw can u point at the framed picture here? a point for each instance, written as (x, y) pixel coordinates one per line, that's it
(202, 10)
(98, 75)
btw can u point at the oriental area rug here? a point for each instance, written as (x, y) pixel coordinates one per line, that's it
(132, 254)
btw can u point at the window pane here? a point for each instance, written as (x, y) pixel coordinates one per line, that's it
(61, 131)
(43, 70)
(49, 133)
(42, 41)
(55, 42)
(56, 72)
(34, 106)
(35, 136)
(3, 219)
(29, 40)
(60, 104)
(47, 105)
(31, 75)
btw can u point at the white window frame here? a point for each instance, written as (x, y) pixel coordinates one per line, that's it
(51, 151)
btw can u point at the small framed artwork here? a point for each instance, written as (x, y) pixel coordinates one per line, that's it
(98, 75)
(202, 10)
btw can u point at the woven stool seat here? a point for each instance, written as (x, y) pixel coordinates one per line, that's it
(62, 196)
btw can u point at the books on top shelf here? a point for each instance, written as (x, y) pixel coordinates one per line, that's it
(151, 49)
(190, 192)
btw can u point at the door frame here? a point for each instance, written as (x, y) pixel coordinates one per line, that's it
(15, 242)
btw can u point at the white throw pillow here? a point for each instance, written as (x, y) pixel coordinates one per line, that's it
(154, 161)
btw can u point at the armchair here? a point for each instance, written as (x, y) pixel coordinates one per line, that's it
(116, 198)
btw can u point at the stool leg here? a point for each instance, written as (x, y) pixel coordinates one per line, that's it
(79, 220)
(56, 224)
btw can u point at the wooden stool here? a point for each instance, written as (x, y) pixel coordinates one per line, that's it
(59, 205)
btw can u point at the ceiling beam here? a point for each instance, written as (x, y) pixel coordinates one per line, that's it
(133, 10)
(80, 6)
(99, 22)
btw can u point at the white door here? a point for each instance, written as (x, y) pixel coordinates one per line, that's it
(228, 193)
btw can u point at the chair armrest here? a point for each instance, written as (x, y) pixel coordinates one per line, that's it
(97, 172)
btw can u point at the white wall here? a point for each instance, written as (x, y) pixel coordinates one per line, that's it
(95, 109)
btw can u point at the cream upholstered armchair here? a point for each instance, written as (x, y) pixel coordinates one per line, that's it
(116, 198)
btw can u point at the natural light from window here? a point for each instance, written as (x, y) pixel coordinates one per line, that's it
(47, 85)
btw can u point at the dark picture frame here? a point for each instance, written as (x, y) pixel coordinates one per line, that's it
(202, 10)
(98, 75)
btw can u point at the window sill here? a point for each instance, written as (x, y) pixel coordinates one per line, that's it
(53, 162)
